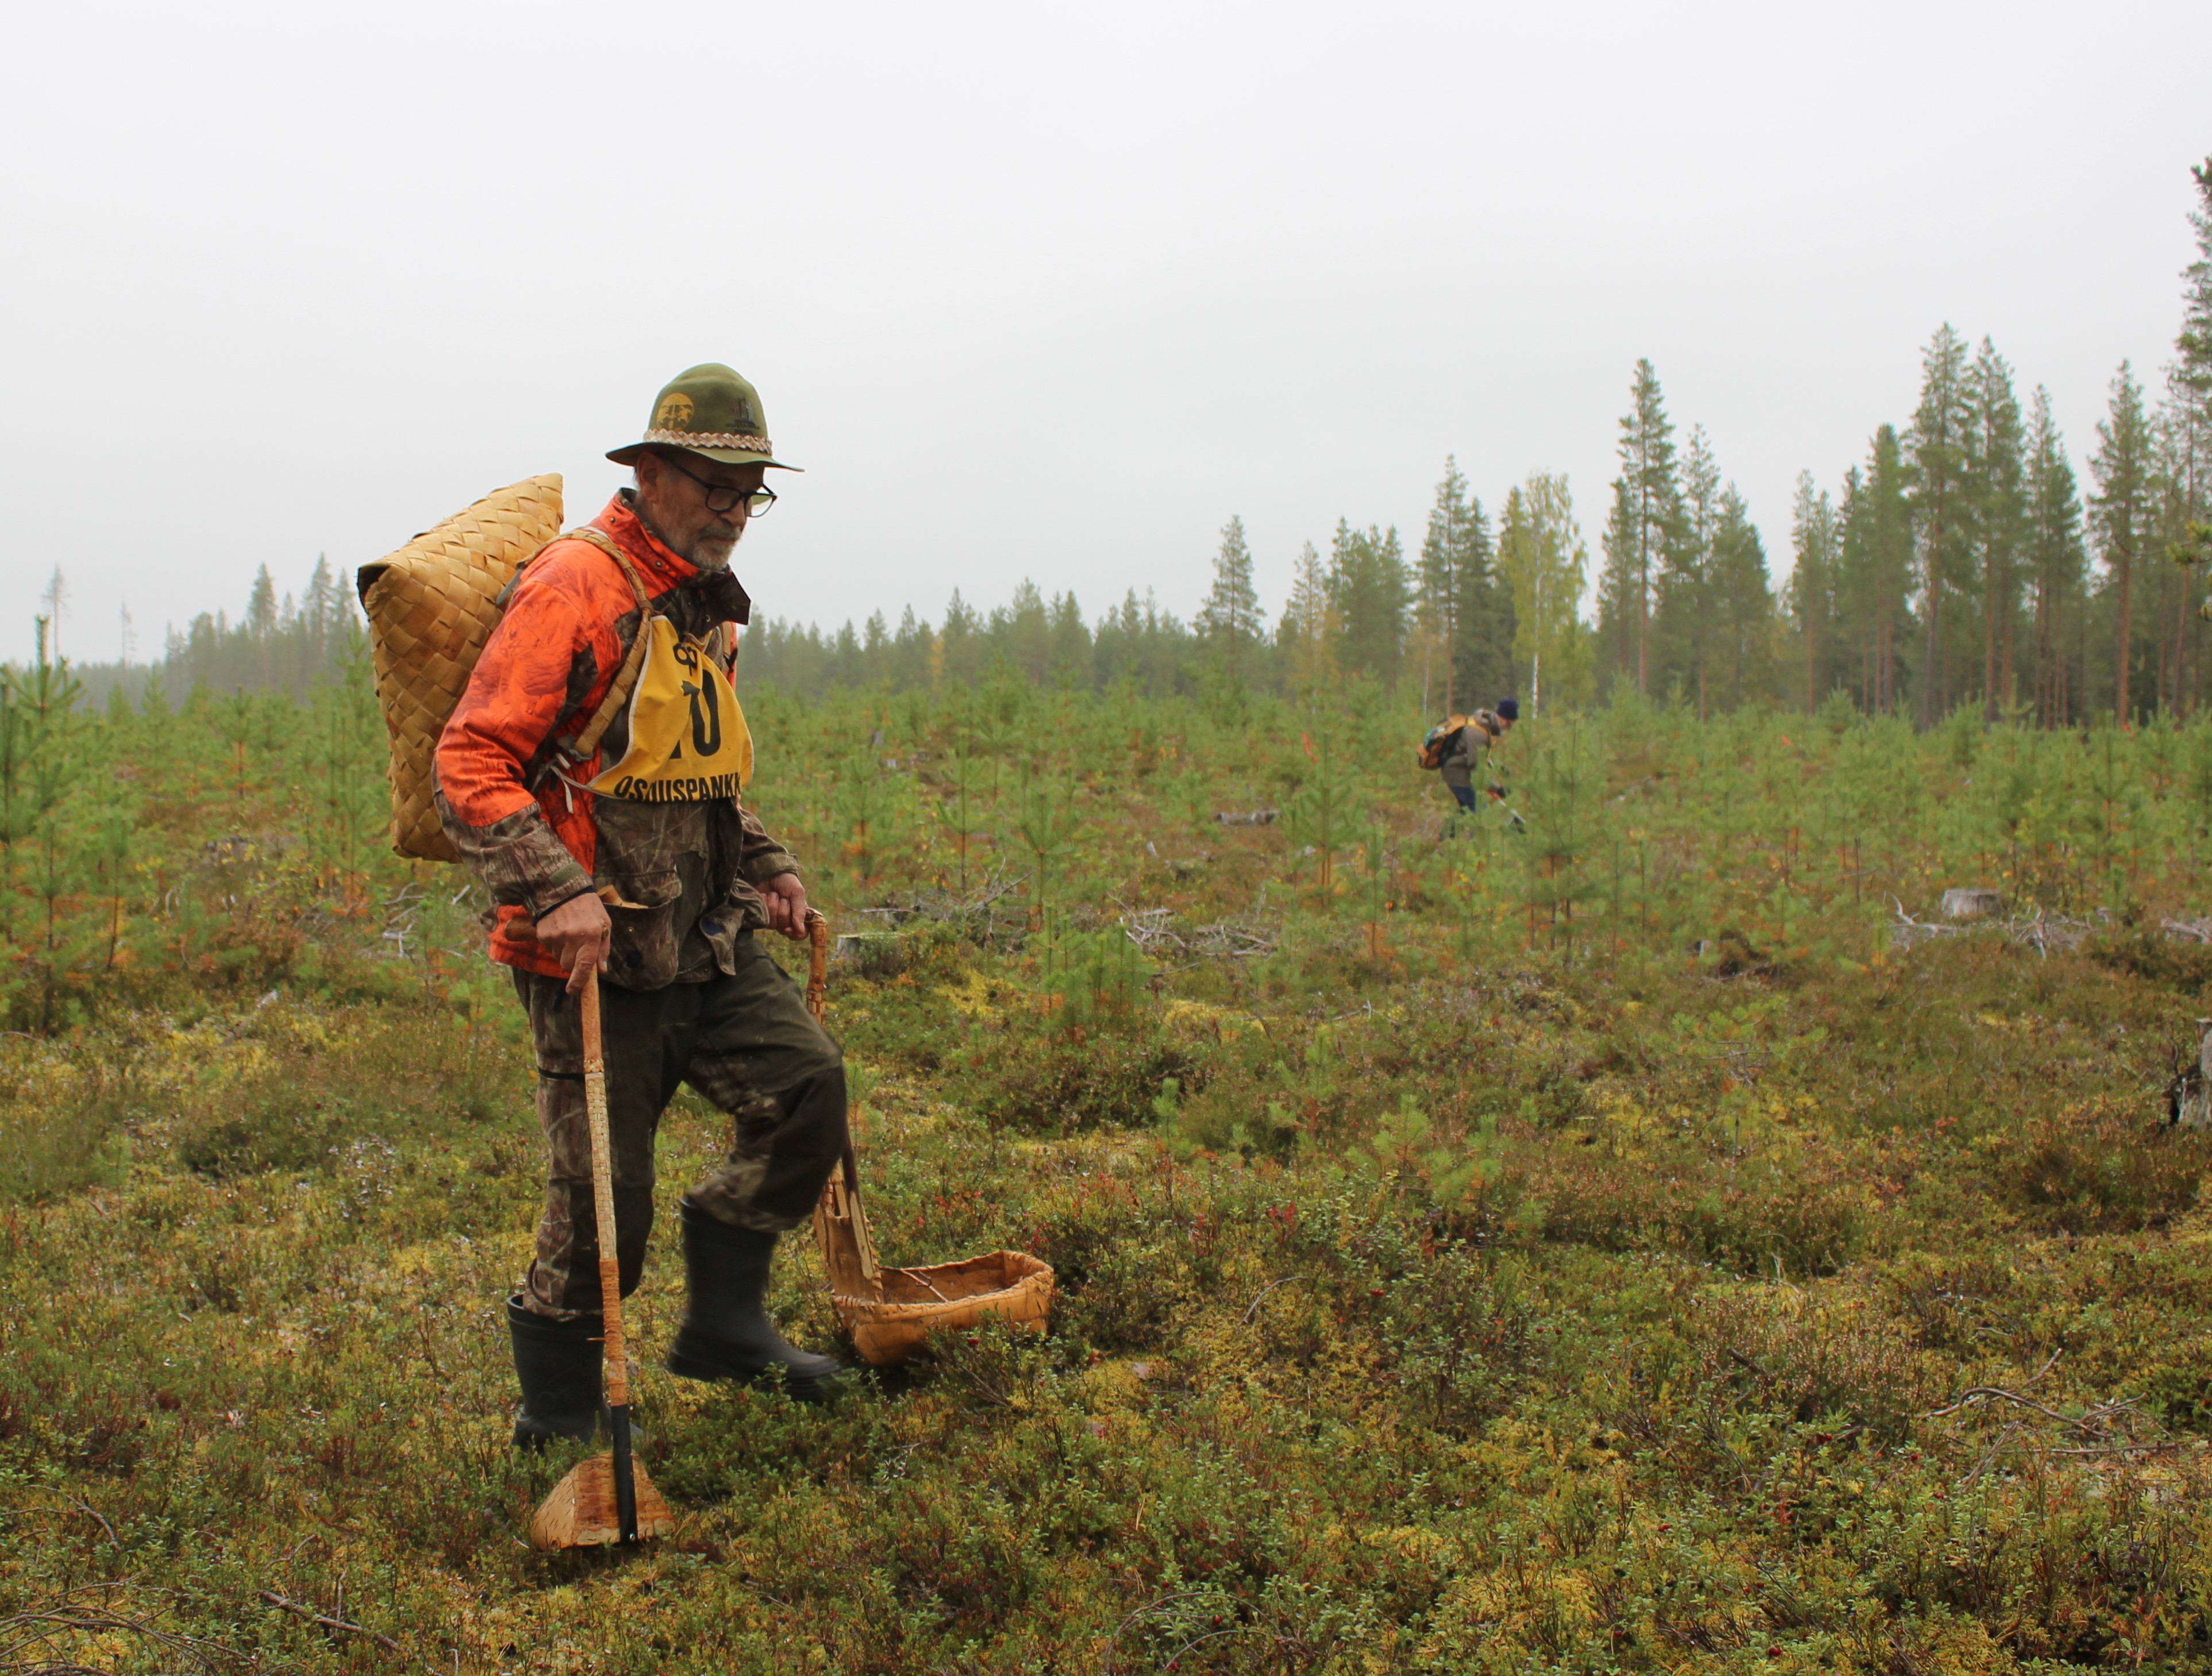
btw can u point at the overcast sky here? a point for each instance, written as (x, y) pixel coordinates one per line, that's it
(1041, 291)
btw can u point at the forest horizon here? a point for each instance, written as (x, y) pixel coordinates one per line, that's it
(1965, 559)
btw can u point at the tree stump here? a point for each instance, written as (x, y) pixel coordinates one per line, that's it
(1970, 902)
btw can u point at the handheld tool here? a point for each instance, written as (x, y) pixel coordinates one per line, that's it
(607, 1498)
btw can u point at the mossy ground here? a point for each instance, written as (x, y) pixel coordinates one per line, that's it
(1530, 1319)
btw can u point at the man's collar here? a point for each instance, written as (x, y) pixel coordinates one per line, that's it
(665, 568)
(626, 523)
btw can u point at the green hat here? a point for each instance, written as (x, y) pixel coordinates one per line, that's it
(707, 409)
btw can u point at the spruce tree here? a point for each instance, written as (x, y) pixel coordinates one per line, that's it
(2178, 471)
(323, 604)
(1307, 634)
(1815, 541)
(1872, 565)
(2056, 560)
(911, 647)
(1683, 610)
(261, 604)
(1619, 616)
(1442, 577)
(1889, 557)
(2119, 515)
(1483, 661)
(1997, 470)
(1644, 522)
(1743, 597)
(1370, 590)
(1068, 640)
(960, 650)
(2194, 346)
(1853, 588)
(1941, 500)
(1463, 611)
(846, 670)
(1120, 644)
(2187, 432)
(1519, 563)
(1229, 620)
(1020, 633)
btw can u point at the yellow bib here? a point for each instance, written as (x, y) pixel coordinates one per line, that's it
(688, 738)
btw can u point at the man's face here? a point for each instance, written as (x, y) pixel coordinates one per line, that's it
(672, 497)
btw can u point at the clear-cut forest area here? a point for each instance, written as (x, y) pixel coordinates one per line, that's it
(1638, 1224)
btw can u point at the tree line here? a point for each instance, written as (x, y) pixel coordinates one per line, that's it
(1960, 562)
(282, 643)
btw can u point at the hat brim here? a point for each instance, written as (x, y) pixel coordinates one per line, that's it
(628, 455)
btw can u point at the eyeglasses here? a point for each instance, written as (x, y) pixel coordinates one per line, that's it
(721, 498)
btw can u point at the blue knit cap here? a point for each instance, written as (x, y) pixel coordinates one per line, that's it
(1507, 710)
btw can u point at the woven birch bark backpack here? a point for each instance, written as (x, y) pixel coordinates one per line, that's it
(431, 607)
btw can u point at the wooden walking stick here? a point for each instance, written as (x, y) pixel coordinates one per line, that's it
(607, 1498)
(817, 966)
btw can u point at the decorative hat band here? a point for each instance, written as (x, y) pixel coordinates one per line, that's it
(754, 445)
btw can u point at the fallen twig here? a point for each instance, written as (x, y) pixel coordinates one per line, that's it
(2093, 1423)
(2160, 1448)
(42, 1626)
(1234, 1629)
(324, 1620)
(1983, 1392)
(1982, 1465)
(1153, 928)
(1165, 1600)
(2090, 1420)
(1263, 1292)
(1980, 1391)
(2038, 931)
(93, 1512)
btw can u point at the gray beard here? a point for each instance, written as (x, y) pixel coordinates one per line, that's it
(712, 554)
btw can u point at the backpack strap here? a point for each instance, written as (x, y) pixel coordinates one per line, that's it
(618, 689)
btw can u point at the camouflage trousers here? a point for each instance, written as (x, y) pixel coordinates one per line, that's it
(745, 1042)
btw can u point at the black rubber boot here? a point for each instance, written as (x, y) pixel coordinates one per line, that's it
(726, 1331)
(558, 1363)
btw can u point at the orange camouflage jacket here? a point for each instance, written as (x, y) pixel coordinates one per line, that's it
(519, 810)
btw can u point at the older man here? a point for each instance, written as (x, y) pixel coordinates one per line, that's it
(591, 776)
